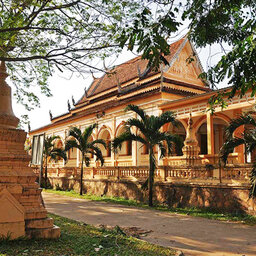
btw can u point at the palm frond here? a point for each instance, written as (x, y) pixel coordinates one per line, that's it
(237, 122)
(77, 134)
(48, 143)
(126, 136)
(98, 153)
(229, 146)
(134, 122)
(137, 110)
(88, 132)
(172, 141)
(253, 181)
(58, 153)
(250, 140)
(165, 118)
(72, 144)
(87, 161)
(162, 149)
(98, 141)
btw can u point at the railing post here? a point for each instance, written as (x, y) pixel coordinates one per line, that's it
(216, 173)
(93, 172)
(117, 172)
(162, 171)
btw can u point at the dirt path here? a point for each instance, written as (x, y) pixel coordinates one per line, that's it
(194, 236)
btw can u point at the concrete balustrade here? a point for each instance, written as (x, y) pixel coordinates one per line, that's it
(201, 174)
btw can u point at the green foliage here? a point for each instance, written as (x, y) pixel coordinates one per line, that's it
(78, 238)
(150, 135)
(81, 141)
(247, 138)
(227, 23)
(52, 153)
(149, 33)
(50, 150)
(38, 37)
(24, 121)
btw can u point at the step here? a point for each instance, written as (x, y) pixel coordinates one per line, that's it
(35, 213)
(50, 233)
(39, 223)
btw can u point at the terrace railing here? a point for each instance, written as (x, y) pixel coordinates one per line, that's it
(235, 174)
(239, 172)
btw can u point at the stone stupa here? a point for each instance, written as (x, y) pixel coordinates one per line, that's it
(22, 212)
(191, 149)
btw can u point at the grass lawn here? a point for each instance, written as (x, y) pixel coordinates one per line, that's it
(205, 213)
(79, 239)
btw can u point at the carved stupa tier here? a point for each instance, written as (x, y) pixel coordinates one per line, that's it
(7, 117)
(19, 192)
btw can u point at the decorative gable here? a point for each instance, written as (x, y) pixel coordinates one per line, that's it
(182, 70)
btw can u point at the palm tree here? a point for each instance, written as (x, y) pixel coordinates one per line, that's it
(247, 138)
(80, 140)
(51, 152)
(151, 136)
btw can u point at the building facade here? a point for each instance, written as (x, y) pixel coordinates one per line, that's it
(175, 87)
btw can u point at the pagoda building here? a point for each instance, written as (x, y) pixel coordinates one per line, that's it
(175, 87)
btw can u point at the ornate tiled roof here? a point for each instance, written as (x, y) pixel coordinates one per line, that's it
(124, 73)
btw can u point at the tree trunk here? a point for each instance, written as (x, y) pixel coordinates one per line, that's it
(151, 177)
(45, 173)
(81, 177)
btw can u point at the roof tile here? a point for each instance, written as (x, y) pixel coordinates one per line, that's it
(124, 73)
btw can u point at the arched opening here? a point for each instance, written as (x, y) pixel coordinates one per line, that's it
(219, 127)
(202, 139)
(58, 143)
(105, 135)
(180, 131)
(249, 156)
(72, 154)
(126, 149)
(145, 150)
(90, 139)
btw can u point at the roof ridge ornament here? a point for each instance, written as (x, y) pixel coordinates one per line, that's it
(50, 114)
(119, 88)
(69, 107)
(73, 100)
(104, 66)
(93, 75)
(139, 71)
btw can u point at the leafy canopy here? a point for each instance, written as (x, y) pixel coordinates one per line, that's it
(229, 23)
(81, 141)
(149, 131)
(37, 36)
(51, 151)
